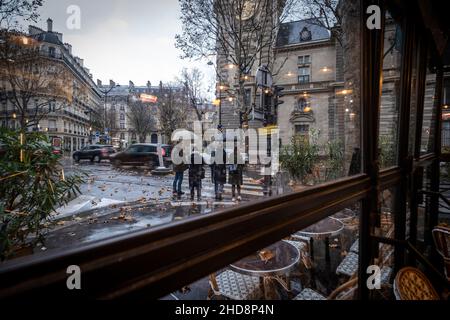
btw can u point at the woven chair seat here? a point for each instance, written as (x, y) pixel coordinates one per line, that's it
(309, 294)
(301, 246)
(355, 246)
(237, 286)
(349, 265)
(411, 284)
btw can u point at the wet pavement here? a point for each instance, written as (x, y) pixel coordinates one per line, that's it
(120, 219)
(106, 185)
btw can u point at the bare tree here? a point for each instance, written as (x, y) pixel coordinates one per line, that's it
(142, 117)
(172, 105)
(324, 13)
(11, 11)
(34, 83)
(241, 32)
(192, 81)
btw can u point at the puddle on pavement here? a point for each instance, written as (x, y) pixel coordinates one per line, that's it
(145, 217)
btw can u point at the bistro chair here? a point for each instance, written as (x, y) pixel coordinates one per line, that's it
(303, 245)
(349, 265)
(411, 284)
(441, 236)
(345, 291)
(235, 286)
(355, 246)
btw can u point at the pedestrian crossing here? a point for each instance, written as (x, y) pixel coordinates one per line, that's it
(250, 186)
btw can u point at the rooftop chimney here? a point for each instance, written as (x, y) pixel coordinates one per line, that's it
(49, 25)
(99, 82)
(68, 47)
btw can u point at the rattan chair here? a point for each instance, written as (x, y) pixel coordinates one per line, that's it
(441, 236)
(411, 284)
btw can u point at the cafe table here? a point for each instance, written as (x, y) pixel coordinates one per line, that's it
(275, 261)
(322, 230)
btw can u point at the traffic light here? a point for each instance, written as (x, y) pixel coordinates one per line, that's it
(277, 94)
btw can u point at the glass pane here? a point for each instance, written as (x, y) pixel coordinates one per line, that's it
(385, 221)
(444, 206)
(317, 262)
(429, 110)
(413, 103)
(390, 96)
(446, 117)
(291, 136)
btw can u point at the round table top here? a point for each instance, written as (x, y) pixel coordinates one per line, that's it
(327, 227)
(344, 215)
(276, 259)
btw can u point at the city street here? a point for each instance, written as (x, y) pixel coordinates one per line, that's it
(114, 201)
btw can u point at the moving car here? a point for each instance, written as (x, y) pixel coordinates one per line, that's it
(142, 154)
(95, 153)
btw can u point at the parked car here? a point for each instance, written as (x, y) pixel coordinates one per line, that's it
(95, 153)
(142, 154)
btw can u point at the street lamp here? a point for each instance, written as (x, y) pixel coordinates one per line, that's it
(220, 104)
(105, 92)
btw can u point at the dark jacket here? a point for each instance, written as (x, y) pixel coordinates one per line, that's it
(220, 173)
(196, 171)
(235, 173)
(180, 167)
(235, 170)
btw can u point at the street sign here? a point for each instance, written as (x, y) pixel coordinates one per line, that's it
(263, 77)
(97, 134)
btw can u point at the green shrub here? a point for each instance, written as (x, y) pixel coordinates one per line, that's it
(30, 188)
(335, 160)
(300, 156)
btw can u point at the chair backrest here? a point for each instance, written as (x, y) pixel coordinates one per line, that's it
(411, 284)
(345, 291)
(441, 236)
(213, 282)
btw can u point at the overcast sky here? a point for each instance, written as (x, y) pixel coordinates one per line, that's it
(124, 39)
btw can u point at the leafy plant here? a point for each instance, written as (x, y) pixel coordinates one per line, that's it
(300, 156)
(335, 160)
(388, 150)
(32, 185)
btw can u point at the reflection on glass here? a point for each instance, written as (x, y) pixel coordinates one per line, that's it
(446, 117)
(390, 96)
(429, 109)
(315, 263)
(385, 222)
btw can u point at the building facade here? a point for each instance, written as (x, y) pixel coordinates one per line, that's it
(306, 67)
(120, 130)
(65, 117)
